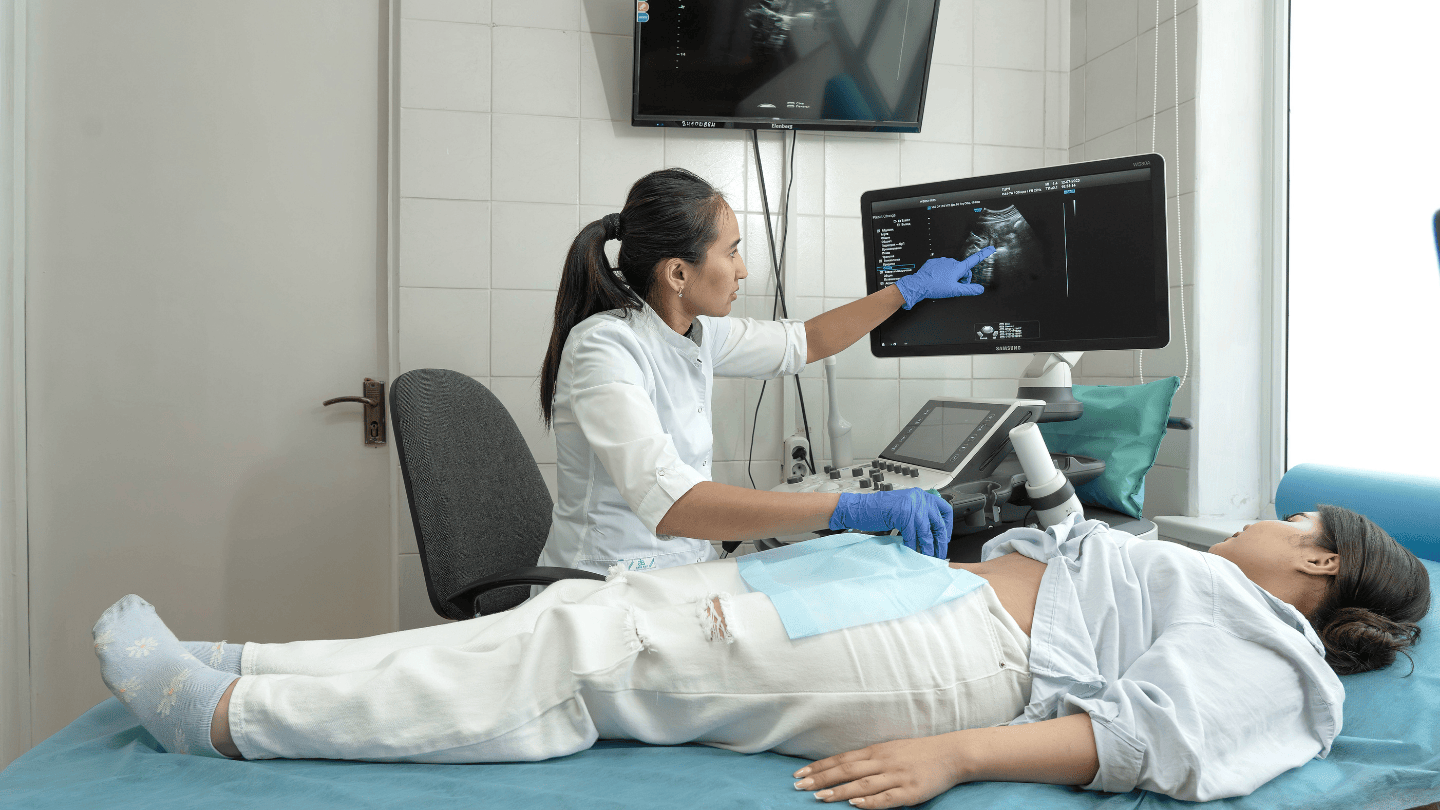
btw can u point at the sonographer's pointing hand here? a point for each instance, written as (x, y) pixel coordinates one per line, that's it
(924, 519)
(942, 278)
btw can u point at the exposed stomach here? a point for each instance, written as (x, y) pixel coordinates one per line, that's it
(1016, 581)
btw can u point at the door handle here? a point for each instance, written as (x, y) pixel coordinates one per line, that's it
(374, 402)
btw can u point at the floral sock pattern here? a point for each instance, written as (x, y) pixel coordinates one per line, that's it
(172, 692)
(220, 655)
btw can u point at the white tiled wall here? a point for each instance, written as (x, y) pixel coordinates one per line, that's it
(515, 130)
(1114, 109)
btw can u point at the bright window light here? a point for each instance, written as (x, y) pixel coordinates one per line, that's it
(1364, 301)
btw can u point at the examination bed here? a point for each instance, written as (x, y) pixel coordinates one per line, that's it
(1387, 757)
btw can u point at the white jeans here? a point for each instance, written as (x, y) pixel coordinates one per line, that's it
(643, 656)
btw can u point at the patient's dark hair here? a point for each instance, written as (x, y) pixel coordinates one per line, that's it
(669, 214)
(1372, 608)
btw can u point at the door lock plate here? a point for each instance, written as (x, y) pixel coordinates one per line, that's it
(374, 402)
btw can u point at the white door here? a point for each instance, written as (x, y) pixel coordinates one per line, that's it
(207, 264)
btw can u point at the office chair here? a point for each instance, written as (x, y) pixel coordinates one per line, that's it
(480, 508)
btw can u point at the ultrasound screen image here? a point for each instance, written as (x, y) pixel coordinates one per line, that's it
(1019, 261)
(1074, 260)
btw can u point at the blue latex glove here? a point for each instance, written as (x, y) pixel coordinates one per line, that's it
(924, 519)
(942, 278)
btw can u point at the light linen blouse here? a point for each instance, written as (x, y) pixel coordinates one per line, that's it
(632, 426)
(1199, 684)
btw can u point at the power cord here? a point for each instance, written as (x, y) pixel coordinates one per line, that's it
(777, 264)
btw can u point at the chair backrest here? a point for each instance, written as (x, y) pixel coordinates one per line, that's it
(477, 500)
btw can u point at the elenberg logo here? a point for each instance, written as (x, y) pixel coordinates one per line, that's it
(697, 124)
(782, 126)
(1007, 348)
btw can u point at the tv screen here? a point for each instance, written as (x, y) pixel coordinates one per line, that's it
(783, 64)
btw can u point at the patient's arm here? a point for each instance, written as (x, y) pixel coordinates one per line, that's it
(906, 772)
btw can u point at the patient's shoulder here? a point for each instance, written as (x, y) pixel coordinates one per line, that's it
(1171, 570)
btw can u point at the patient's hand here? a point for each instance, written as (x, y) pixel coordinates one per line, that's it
(891, 774)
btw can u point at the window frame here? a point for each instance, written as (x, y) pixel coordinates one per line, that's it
(1276, 261)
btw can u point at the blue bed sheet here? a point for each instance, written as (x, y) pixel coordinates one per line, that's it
(1388, 757)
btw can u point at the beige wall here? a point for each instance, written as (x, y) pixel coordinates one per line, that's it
(14, 565)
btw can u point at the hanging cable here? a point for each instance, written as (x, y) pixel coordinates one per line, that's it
(1179, 236)
(1154, 132)
(778, 305)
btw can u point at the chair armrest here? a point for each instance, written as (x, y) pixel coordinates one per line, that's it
(465, 598)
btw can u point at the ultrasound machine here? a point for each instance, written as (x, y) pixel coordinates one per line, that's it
(1079, 265)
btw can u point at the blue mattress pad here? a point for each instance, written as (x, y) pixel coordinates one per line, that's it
(1388, 756)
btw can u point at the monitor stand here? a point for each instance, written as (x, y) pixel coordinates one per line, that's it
(1047, 379)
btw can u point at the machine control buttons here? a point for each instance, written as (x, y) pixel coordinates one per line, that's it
(828, 468)
(876, 463)
(864, 483)
(856, 472)
(794, 479)
(834, 473)
(877, 476)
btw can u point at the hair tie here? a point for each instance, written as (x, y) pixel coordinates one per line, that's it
(612, 226)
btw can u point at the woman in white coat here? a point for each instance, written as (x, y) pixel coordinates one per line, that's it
(628, 378)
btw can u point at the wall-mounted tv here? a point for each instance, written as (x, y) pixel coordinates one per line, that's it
(782, 64)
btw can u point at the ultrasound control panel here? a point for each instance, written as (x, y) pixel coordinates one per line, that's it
(947, 441)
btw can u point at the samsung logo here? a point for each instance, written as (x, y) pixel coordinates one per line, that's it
(697, 123)
(1007, 348)
(782, 126)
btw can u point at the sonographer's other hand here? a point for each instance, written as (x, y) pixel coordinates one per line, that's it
(942, 277)
(924, 519)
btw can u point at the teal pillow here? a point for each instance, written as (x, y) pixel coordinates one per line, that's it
(1122, 426)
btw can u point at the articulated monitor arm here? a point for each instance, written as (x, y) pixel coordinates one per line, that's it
(1047, 378)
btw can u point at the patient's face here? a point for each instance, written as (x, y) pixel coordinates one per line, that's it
(711, 289)
(1266, 548)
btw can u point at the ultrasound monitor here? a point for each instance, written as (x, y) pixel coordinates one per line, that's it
(1079, 262)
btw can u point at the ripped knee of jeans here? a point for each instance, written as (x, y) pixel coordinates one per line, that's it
(635, 631)
(717, 618)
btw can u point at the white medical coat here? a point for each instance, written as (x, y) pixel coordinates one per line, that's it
(632, 426)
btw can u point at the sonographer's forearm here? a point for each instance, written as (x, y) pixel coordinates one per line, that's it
(834, 331)
(720, 512)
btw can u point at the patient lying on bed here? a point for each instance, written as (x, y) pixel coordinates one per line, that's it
(1088, 658)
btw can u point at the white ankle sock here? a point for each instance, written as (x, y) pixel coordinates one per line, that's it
(221, 655)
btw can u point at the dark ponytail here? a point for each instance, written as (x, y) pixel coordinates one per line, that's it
(669, 214)
(1372, 608)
